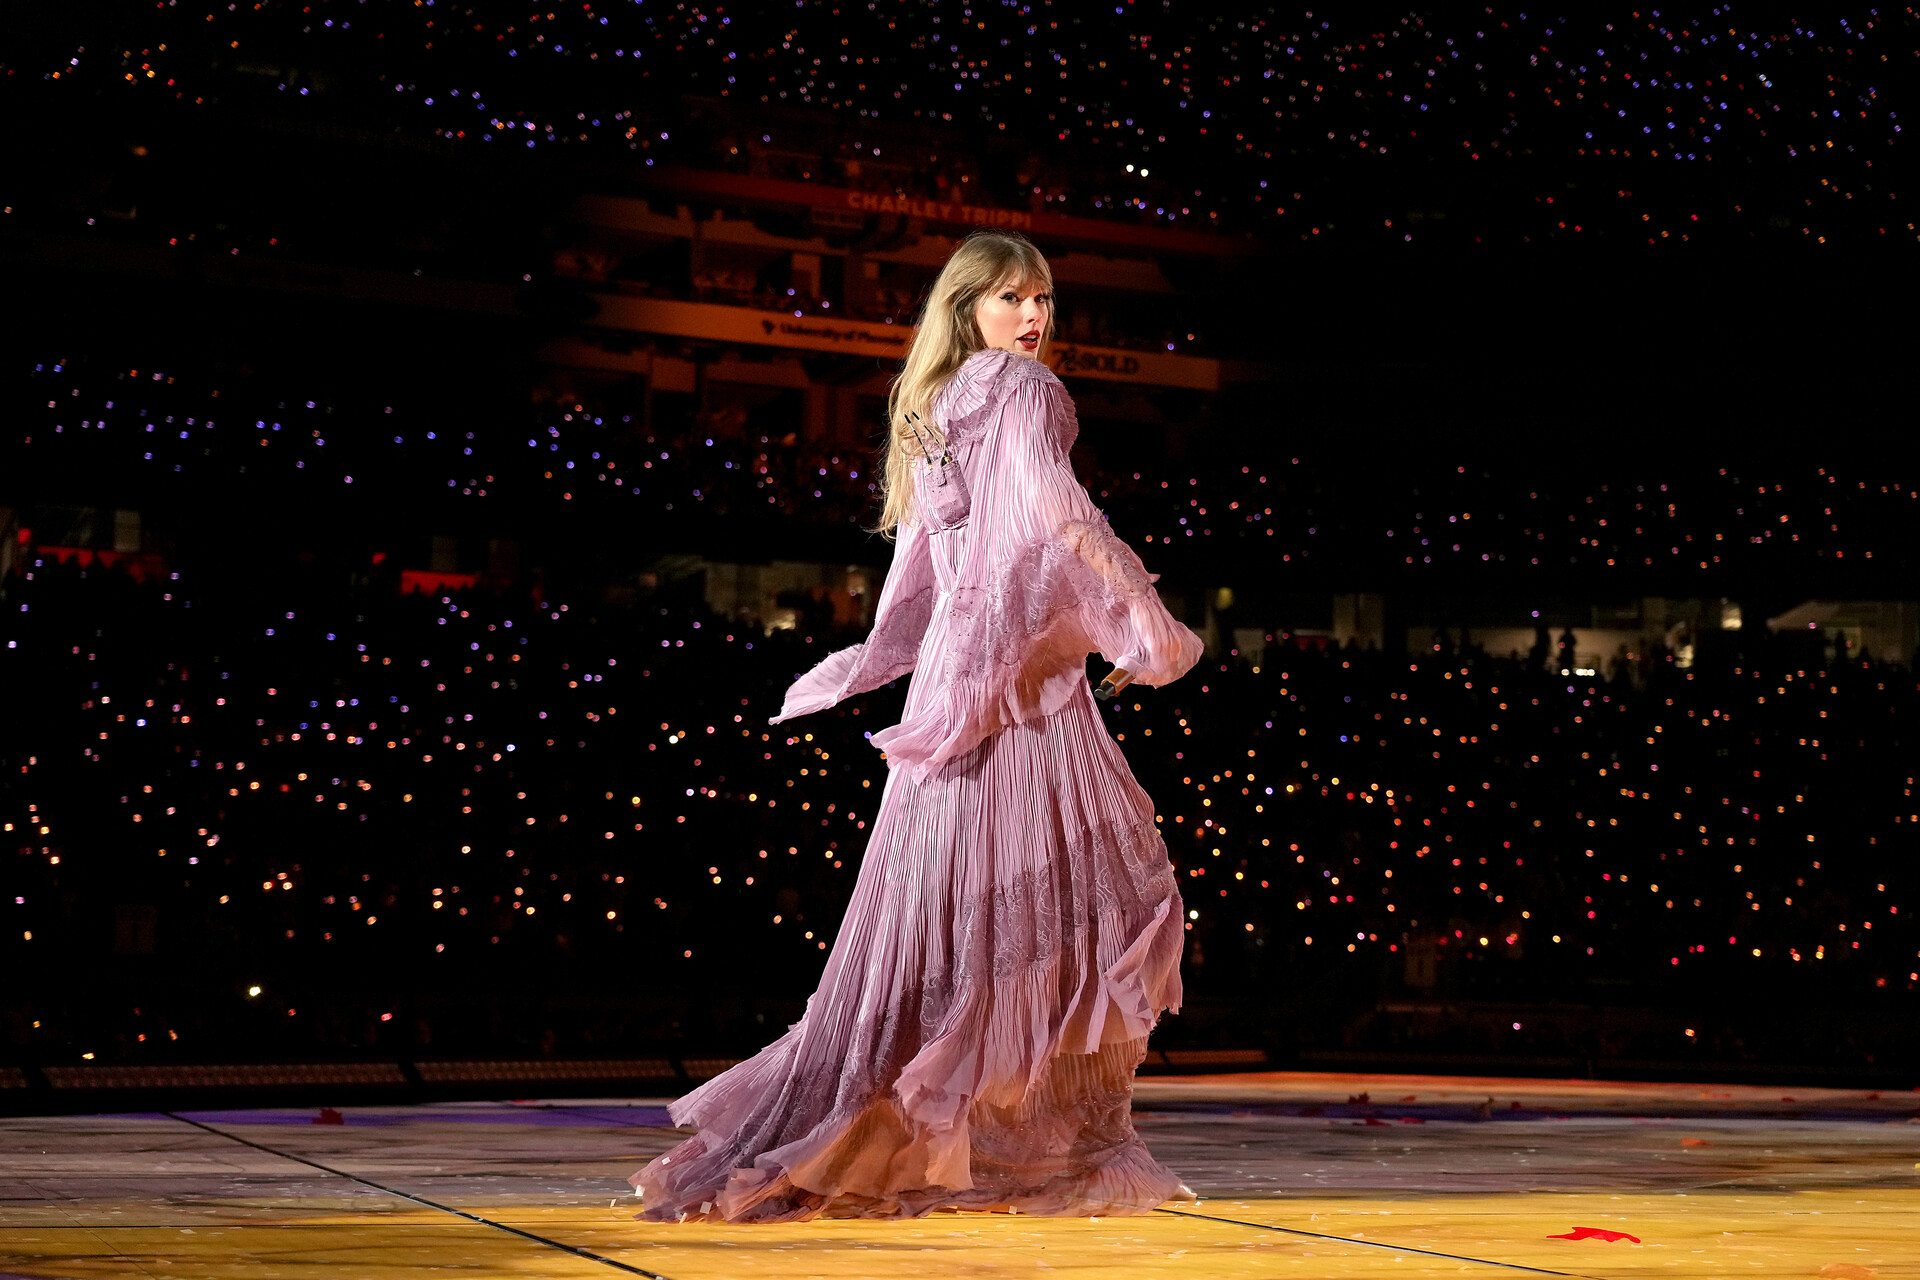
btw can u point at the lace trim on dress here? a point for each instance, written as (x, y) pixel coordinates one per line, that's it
(1043, 913)
(970, 401)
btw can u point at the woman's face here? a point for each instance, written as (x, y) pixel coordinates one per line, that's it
(1014, 317)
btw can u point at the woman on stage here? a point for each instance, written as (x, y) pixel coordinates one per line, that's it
(1016, 928)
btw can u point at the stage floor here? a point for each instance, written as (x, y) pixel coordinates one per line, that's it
(1300, 1175)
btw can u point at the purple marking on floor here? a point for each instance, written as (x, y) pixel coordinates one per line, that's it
(1418, 1113)
(542, 1117)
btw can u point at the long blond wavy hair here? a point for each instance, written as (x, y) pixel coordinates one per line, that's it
(947, 335)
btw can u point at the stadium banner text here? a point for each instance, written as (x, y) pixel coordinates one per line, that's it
(718, 323)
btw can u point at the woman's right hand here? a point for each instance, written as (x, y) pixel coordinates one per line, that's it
(1171, 649)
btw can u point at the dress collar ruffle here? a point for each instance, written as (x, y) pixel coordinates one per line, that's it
(966, 406)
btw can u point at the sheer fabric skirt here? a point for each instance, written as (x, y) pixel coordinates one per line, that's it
(1014, 933)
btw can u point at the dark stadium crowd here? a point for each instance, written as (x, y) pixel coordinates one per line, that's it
(366, 817)
(1153, 113)
(1693, 522)
(368, 480)
(1350, 142)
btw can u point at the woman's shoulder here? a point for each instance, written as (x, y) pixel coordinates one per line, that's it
(970, 401)
(1015, 370)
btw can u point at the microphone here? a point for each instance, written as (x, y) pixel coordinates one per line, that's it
(1117, 679)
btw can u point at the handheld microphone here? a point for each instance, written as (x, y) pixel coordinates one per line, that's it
(1117, 679)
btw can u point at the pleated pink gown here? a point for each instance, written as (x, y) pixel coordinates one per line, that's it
(1014, 933)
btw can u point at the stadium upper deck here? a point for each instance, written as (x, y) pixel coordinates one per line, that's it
(799, 268)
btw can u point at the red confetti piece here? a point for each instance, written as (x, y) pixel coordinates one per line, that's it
(1595, 1233)
(329, 1116)
(1695, 1142)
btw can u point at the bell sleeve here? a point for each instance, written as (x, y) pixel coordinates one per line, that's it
(891, 649)
(1043, 581)
(1102, 582)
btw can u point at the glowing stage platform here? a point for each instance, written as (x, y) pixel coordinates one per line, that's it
(1300, 1176)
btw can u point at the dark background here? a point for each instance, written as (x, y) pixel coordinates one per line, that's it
(185, 246)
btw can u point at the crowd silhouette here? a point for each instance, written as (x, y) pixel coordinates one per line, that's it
(1689, 521)
(262, 821)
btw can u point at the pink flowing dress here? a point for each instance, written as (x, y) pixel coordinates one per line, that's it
(1015, 930)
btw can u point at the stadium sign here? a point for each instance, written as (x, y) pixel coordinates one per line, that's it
(754, 190)
(750, 326)
(1157, 368)
(971, 215)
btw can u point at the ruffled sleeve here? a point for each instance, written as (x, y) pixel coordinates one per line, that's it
(1043, 582)
(970, 402)
(891, 649)
(1042, 505)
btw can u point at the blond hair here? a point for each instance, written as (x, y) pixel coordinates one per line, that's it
(947, 335)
